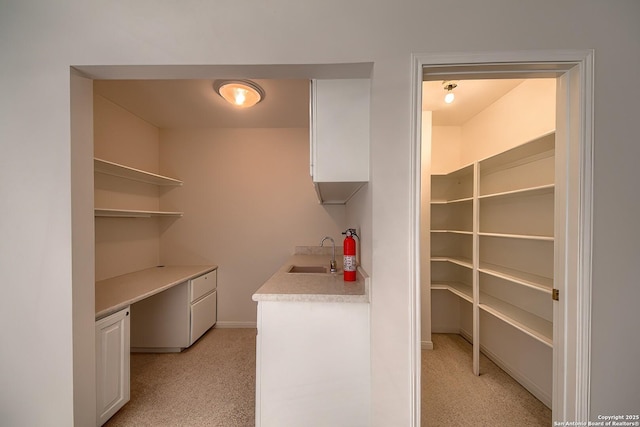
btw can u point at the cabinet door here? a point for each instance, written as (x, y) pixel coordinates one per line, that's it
(340, 130)
(312, 364)
(203, 316)
(112, 364)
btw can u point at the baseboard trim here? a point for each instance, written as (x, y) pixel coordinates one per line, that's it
(445, 330)
(467, 336)
(518, 376)
(426, 345)
(513, 373)
(231, 324)
(156, 349)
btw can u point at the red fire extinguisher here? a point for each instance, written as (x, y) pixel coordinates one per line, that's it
(350, 255)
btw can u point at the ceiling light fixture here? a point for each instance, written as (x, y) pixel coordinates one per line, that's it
(239, 93)
(449, 86)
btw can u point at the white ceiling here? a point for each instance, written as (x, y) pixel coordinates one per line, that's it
(175, 104)
(472, 96)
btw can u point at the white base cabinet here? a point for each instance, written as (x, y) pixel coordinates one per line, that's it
(174, 319)
(112, 364)
(312, 364)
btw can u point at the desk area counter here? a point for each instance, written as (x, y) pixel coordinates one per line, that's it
(120, 291)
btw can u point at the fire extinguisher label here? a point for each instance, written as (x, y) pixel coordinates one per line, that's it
(349, 263)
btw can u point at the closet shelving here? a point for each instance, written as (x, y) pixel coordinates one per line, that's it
(114, 169)
(132, 213)
(452, 232)
(460, 289)
(532, 325)
(495, 219)
(106, 167)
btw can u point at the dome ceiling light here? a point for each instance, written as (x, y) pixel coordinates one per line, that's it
(449, 86)
(239, 93)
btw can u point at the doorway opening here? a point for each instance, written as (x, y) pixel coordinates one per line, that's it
(82, 137)
(571, 225)
(491, 243)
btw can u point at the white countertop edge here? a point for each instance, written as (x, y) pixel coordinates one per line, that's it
(311, 298)
(113, 309)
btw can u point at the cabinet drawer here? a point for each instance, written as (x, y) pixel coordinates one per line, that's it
(203, 316)
(203, 285)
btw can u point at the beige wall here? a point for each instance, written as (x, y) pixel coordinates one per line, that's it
(124, 138)
(446, 144)
(40, 40)
(524, 113)
(248, 201)
(123, 245)
(358, 216)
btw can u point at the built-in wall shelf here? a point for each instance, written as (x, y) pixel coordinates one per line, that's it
(529, 323)
(114, 169)
(543, 284)
(454, 187)
(453, 232)
(106, 167)
(130, 213)
(492, 244)
(517, 236)
(464, 262)
(460, 289)
(527, 191)
(448, 202)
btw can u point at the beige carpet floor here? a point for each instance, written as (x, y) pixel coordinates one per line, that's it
(453, 396)
(211, 383)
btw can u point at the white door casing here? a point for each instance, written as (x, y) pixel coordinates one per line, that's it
(572, 313)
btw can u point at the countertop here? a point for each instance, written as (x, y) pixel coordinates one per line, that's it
(301, 287)
(120, 291)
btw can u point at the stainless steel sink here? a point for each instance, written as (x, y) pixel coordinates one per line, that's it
(318, 269)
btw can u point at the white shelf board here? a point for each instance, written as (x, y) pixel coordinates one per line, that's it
(448, 202)
(464, 262)
(541, 147)
(114, 169)
(530, 324)
(517, 236)
(461, 171)
(129, 213)
(534, 281)
(530, 191)
(460, 289)
(453, 231)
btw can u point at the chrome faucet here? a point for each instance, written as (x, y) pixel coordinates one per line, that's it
(333, 256)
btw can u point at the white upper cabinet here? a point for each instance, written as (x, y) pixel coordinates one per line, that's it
(339, 137)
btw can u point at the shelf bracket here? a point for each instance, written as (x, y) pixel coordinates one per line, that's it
(555, 294)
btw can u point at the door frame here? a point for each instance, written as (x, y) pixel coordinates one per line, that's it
(81, 99)
(574, 70)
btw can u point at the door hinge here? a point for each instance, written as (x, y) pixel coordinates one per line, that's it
(555, 294)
